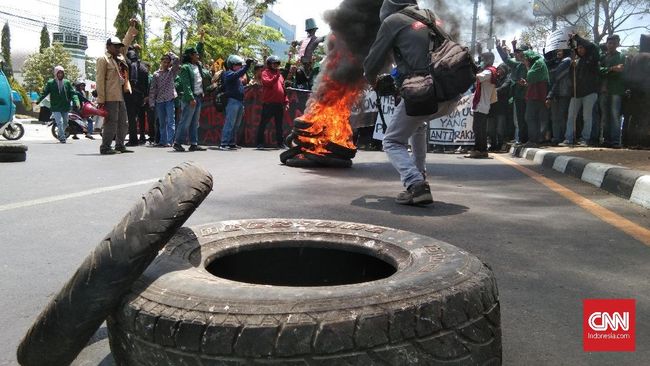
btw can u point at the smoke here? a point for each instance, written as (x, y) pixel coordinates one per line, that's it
(354, 26)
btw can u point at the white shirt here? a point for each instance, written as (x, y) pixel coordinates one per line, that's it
(198, 80)
(488, 92)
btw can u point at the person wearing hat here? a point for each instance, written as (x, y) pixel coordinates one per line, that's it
(309, 44)
(234, 92)
(112, 83)
(193, 82)
(517, 74)
(274, 101)
(62, 94)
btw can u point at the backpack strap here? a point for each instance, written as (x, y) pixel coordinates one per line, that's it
(438, 35)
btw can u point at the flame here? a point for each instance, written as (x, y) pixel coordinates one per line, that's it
(329, 112)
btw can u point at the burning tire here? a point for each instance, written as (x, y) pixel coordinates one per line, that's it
(289, 154)
(12, 152)
(64, 327)
(329, 160)
(308, 292)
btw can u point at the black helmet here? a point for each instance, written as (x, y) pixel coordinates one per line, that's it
(234, 60)
(273, 59)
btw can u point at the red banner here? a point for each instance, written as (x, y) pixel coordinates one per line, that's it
(211, 121)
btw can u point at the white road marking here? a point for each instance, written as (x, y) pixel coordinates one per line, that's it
(62, 197)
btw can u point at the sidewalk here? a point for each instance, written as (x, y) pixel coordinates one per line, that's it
(623, 172)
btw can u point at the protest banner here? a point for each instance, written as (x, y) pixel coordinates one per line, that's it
(558, 40)
(456, 128)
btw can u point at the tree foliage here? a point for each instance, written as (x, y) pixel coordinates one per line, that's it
(128, 9)
(91, 68)
(5, 44)
(45, 39)
(231, 27)
(39, 67)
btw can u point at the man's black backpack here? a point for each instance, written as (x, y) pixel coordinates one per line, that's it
(451, 65)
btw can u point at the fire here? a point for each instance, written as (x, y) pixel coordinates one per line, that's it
(330, 112)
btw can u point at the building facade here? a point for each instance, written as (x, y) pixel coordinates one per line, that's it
(69, 34)
(280, 48)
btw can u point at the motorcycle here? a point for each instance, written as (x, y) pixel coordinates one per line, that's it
(78, 122)
(12, 130)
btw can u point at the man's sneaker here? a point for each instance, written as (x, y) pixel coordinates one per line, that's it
(565, 143)
(107, 152)
(178, 147)
(75, 137)
(123, 150)
(90, 137)
(417, 194)
(232, 147)
(260, 147)
(196, 148)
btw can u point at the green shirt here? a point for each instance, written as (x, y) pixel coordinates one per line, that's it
(613, 81)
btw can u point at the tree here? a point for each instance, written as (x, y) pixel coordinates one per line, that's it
(167, 36)
(128, 9)
(45, 39)
(39, 67)
(5, 44)
(91, 68)
(595, 18)
(231, 27)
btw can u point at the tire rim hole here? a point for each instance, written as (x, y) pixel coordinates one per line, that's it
(303, 266)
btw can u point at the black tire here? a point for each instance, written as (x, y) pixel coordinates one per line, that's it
(440, 306)
(12, 147)
(340, 151)
(289, 140)
(12, 157)
(55, 133)
(14, 132)
(301, 162)
(329, 161)
(62, 330)
(288, 154)
(301, 125)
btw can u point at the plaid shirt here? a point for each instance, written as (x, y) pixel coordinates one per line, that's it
(162, 87)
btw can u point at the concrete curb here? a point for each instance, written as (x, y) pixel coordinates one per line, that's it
(633, 185)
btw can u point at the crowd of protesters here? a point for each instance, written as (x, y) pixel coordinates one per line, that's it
(586, 95)
(169, 100)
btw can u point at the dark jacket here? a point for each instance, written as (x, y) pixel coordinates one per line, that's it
(407, 38)
(519, 71)
(232, 85)
(138, 75)
(586, 73)
(561, 80)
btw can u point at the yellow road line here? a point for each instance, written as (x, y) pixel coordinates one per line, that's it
(634, 230)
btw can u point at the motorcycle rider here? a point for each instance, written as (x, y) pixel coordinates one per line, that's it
(62, 94)
(80, 87)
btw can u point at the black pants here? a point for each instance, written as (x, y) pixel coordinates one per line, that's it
(275, 111)
(135, 111)
(479, 127)
(520, 106)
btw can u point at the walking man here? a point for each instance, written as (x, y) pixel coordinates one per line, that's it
(61, 95)
(408, 39)
(112, 83)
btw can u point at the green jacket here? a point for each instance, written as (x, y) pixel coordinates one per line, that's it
(613, 80)
(186, 78)
(518, 71)
(538, 71)
(59, 100)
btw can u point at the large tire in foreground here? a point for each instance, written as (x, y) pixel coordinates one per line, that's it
(308, 292)
(12, 152)
(62, 330)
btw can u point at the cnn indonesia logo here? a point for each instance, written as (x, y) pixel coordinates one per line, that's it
(608, 325)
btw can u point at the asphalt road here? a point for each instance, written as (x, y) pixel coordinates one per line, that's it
(547, 253)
